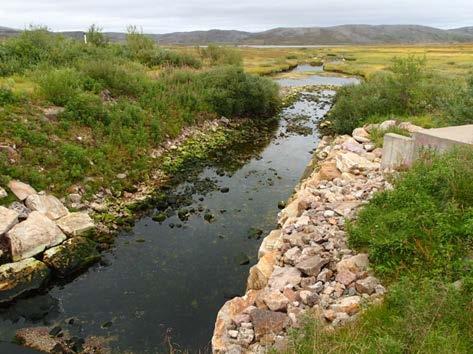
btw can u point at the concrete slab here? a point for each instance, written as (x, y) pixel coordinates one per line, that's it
(443, 139)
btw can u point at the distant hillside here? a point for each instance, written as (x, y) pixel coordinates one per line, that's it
(463, 30)
(345, 34)
(359, 34)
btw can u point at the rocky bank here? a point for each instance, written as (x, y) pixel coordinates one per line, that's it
(39, 237)
(306, 267)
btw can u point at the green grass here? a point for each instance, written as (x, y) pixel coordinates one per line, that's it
(419, 237)
(120, 101)
(417, 316)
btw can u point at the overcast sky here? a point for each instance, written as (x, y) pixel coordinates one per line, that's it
(159, 16)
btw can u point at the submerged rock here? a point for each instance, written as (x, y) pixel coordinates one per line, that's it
(19, 277)
(73, 255)
(33, 236)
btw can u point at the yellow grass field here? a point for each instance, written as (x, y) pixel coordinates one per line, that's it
(454, 59)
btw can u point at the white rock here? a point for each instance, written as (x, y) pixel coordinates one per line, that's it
(8, 219)
(76, 224)
(411, 128)
(361, 135)
(48, 205)
(21, 190)
(233, 333)
(350, 161)
(33, 236)
(387, 124)
(3, 193)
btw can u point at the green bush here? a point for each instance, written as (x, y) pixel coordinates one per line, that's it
(217, 55)
(145, 50)
(59, 86)
(460, 108)
(424, 225)
(408, 89)
(119, 78)
(7, 96)
(95, 36)
(231, 92)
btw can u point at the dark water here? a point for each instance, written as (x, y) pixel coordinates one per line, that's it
(161, 284)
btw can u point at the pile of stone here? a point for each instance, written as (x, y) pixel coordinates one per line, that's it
(39, 236)
(306, 266)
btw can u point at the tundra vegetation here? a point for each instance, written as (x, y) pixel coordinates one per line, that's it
(111, 105)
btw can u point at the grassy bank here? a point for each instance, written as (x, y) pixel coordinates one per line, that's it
(420, 240)
(112, 105)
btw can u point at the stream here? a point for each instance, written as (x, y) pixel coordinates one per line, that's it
(162, 283)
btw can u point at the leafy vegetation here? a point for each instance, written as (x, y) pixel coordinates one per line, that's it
(119, 101)
(408, 89)
(420, 240)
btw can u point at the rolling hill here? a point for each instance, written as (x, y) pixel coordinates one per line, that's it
(344, 34)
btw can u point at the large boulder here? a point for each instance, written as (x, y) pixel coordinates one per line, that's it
(19, 277)
(48, 205)
(350, 161)
(76, 224)
(71, 256)
(33, 236)
(21, 190)
(8, 218)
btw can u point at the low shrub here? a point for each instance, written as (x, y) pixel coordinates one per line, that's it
(119, 78)
(231, 92)
(7, 96)
(218, 55)
(59, 86)
(407, 89)
(86, 108)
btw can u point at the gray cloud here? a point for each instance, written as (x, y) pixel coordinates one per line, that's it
(159, 16)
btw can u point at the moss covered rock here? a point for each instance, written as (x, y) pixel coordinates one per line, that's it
(73, 255)
(19, 277)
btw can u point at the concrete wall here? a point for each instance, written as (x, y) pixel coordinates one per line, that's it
(398, 151)
(401, 151)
